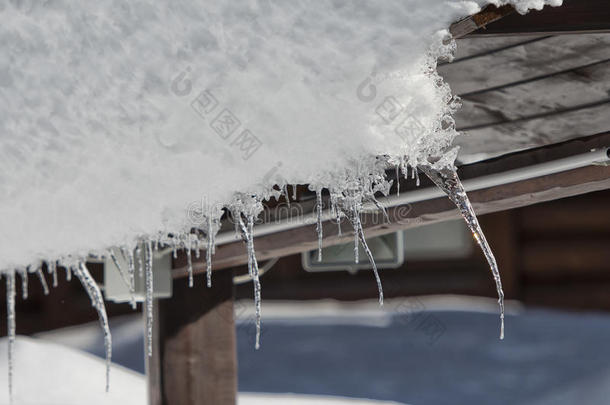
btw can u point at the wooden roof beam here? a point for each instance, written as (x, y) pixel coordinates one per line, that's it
(493, 199)
(574, 17)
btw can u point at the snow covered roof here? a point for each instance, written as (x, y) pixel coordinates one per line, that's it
(115, 119)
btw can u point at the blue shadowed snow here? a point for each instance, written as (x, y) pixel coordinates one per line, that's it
(433, 357)
(451, 358)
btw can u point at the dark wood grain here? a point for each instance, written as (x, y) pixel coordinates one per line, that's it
(525, 61)
(575, 16)
(489, 200)
(195, 350)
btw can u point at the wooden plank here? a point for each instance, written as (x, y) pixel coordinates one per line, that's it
(530, 132)
(287, 281)
(195, 351)
(566, 257)
(474, 47)
(486, 16)
(540, 95)
(568, 218)
(543, 57)
(569, 294)
(574, 16)
(493, 199)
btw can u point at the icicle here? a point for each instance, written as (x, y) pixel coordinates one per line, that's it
(52, 268)
(24, 283)
(189, 261)
(120, 269)
(139, 258)
(382, 209)
(397, 180)
(336, 212)
(236, 220)
(360, 234)
(197, 247)
(294, 192)
(356, 250)
(319, 224)
(254, 273)
(68, 273)
(286, 195)
(448, 181)
(209, 251)
(43, 281)
(174, 248)
(416, 176)
(249, 248)
(149, 296)
(11, 328)
(131, 271)
(97, 301)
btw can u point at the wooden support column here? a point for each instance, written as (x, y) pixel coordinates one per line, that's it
(195, 360)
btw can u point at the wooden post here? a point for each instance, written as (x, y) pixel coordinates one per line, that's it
(194, 359)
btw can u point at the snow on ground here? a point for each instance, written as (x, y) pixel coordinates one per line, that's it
(421, 350)
(293, 399)
(52, 374)
(116, 118)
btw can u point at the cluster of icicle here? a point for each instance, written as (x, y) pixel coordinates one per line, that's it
(348, 194)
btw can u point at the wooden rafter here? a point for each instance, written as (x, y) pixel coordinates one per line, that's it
(486, 16)
(573, 17)
(499, 198)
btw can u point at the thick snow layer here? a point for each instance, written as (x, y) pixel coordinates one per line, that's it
(116, 117)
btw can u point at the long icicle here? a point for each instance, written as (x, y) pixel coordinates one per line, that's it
(448, 181)
(138, 255)
(124, 276)
(131, 271)
(356, 247)
(11, 328)
(253, 272)
(319, 221)
(209, 250)
(189, 260)
(360, 233)
(149, 296)
(398, 180)
(24, 283)
(97, 300)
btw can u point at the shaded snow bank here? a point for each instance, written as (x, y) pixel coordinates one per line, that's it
(51, 374)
